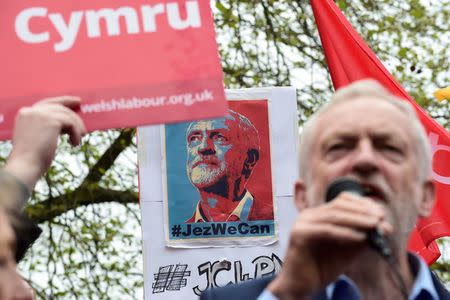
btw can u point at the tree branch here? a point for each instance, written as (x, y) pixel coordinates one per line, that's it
(106, 161)
(52, 208)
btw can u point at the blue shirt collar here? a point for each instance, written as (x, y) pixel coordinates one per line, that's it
(345, 288)
(423, 282)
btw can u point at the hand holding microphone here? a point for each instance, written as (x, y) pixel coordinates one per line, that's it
(375, 238)
(326, 239)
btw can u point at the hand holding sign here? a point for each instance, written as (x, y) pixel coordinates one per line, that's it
(36, 133)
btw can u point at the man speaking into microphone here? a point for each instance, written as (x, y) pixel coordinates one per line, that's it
(376, 140)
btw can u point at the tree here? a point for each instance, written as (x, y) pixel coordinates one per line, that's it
(87, 203)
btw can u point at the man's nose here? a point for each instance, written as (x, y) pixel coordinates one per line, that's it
(365, 158)
(206, 146)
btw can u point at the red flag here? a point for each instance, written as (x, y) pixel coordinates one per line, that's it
(350, 59)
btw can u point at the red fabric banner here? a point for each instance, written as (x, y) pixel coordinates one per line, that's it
(133, 63)
(350, 59)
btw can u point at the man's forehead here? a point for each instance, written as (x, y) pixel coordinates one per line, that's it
(379, 116)
(368, 103)
(207, 125)
(364, 109)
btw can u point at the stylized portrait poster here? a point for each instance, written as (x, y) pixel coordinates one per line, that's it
(219, 179)
(248, 158)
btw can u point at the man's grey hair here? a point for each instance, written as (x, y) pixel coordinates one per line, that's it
(246, 133)
(367, 90)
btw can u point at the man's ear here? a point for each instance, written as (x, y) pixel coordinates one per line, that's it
(300, 195)
(250, 162)
(428, 198)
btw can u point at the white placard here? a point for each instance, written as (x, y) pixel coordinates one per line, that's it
(182, 266)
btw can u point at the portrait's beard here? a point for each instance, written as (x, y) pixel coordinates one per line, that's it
(206, 176)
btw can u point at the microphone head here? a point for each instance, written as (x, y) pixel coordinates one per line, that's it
(343, 184)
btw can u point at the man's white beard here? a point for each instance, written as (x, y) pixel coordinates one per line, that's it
(403, 218)
(202, 177)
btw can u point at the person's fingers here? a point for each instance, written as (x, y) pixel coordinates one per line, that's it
(330, 232)
(72, 102)
(386, 228)
(75, 133)
(344, 218)
(74, 126)
(347, 210)
(67, 122)
(36, 132)
(358, 204)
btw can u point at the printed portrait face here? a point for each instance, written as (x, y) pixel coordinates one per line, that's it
(214, 152)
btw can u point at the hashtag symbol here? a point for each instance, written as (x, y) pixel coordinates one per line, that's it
(161, 279)
(169, 280)
(177, 280)
(176, 230)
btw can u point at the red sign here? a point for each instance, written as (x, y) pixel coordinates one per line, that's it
(133, 62)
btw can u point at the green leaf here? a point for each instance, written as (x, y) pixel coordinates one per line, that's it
(402, 52)
(416, 13)
(221, 7)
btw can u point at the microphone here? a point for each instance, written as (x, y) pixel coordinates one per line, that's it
(375, 237)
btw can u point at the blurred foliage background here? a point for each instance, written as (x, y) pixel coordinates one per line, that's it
(87, 203)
